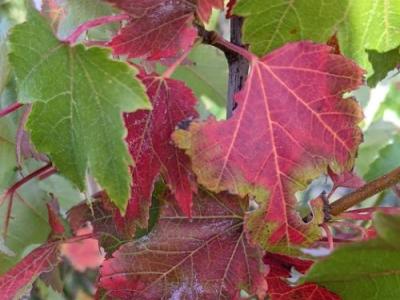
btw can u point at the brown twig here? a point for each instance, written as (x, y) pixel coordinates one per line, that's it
(371, 188)
(237, 57)
(238, 66)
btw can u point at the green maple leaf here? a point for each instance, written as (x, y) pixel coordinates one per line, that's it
(364, 270)
(78, 95)
(359, 24)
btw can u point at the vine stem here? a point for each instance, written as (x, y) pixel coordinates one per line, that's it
(371, 188)
(73, 37)
(237, 56)
(9, 109)
(238, 64)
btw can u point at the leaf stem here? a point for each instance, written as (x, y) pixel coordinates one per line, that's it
(371, 188)
(73, 37)
(214, 39)
(9, 109)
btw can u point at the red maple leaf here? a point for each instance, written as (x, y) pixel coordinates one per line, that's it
(157, 28)
(290, 124)
(150, 144)
(206, 257)
(42, 259)
(280, 267)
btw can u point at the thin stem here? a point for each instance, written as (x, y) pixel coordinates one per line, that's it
(9, 109)
(371, 188)
(214, 39)
(239, 50)
(73, 37)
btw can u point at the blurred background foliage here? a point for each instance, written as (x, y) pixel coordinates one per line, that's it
(206, 72)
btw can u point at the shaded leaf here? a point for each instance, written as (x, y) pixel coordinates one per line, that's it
(376, 137)
(207, 257)
(387, 160)
(76, 117)
(382, 63)
(150, 145)
(388, 228)
(42, 259)
(290, 123)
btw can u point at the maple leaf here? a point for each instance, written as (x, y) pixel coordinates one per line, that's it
(76, 119)
(290, 124)
(42, 259)
(359, 270)
(206, 257)
(157, 29)
(150, 144)
(280, 268)
(358, 25)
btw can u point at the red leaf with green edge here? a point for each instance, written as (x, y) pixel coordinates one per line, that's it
(206, 257)
(290, 124)
(42, 259)
(280, 267)
(157, 28)
(204, 8)
(151, 147)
